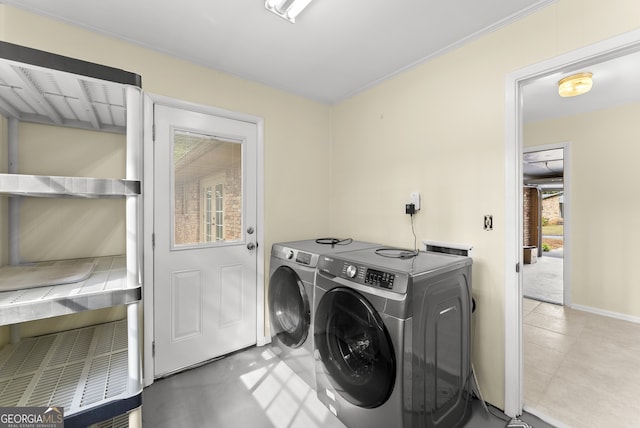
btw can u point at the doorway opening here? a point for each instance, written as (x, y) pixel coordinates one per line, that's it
(544, 219)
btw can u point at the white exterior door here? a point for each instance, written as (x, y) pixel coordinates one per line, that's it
(205, 258)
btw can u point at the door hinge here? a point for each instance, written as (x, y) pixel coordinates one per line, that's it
(153, 132)
(153, 241)
(517, 267)
(153, 348)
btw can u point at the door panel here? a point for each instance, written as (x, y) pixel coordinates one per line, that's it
(231, 295)
(186, 314)
(205, 263)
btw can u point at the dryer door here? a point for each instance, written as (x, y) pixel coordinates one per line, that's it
(355, 348)
(289, 307)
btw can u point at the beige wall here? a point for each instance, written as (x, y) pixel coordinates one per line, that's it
(439, 129)
(604, 177)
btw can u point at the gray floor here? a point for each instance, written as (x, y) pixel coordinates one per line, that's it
(543, 280)
(253, 389)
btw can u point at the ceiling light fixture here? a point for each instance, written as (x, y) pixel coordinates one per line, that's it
(287, 9)
(576, 84)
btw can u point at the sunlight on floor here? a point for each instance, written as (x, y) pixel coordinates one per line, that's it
(286, 399)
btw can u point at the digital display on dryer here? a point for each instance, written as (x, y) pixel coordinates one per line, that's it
(379, 279)
(304, 258)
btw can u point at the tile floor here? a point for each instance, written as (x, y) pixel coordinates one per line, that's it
(580, 368)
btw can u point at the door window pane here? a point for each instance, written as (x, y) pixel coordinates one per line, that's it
(207, 186)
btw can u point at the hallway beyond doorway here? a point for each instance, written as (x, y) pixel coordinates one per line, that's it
(543, 280)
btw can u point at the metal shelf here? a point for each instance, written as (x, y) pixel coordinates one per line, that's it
(81, 370)
(93, 372)
(105, 287)
(56, 186)
(41, 87)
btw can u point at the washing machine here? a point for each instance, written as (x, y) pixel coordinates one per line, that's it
(392, 338)
(290, 298)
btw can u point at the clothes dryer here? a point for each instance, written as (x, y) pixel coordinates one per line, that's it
(392, 338)
(290, 298)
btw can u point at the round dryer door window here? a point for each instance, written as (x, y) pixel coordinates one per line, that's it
(355, 348)
(289, 307)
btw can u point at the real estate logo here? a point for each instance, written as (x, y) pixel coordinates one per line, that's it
(31, 417)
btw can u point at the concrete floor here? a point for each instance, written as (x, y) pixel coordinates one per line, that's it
(543, 280)
(254, 389)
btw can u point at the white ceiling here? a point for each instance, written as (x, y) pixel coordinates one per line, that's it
(335, 49)
(615, 82)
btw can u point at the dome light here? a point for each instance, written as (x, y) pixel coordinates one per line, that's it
(576, 84)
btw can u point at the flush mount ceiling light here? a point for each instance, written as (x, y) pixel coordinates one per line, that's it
(576, 84)
(287, 9)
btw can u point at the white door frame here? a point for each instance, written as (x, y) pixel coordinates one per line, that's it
(598, 52)
(148, 226)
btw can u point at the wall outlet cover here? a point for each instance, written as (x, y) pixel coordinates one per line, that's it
(414, 198)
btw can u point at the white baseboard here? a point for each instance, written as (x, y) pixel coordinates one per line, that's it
(606, 313)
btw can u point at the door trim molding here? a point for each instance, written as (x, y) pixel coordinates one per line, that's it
(150, 100)
(601, 51)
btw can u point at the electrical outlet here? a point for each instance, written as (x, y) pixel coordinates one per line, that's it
(414, 198)
(488, 222)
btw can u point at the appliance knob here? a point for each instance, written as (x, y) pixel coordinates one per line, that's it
(289, 254)
(352, 271)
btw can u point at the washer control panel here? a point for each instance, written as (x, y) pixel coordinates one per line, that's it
(295, 255)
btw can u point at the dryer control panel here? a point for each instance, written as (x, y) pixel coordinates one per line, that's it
(365, 275)
(378, 278)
